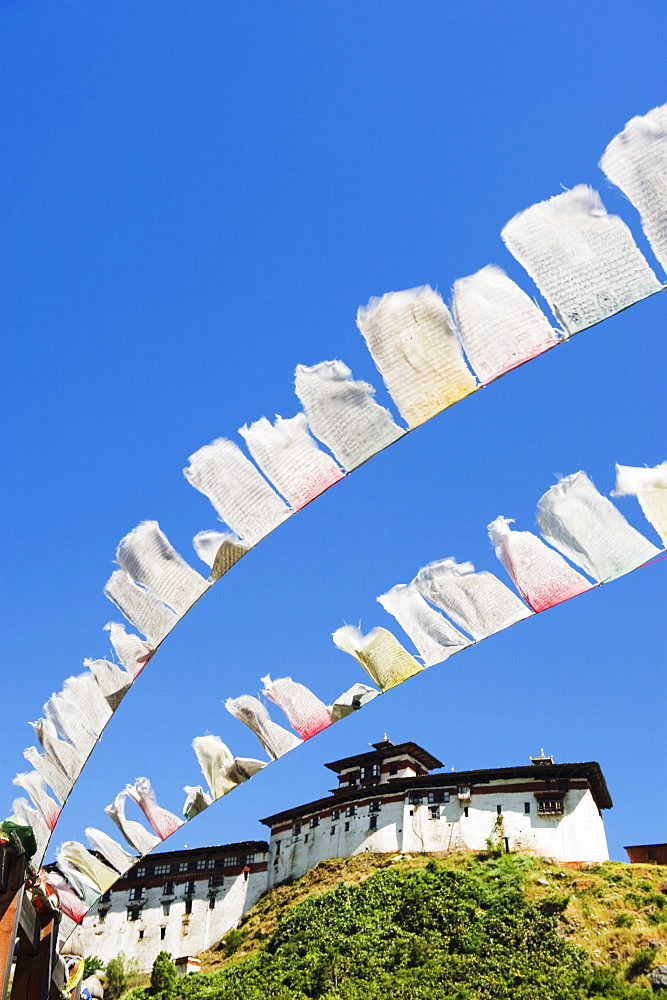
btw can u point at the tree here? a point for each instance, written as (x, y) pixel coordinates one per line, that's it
(163, 976)
(115, 979)
(91, 965)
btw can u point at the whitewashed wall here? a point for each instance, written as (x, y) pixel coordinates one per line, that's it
(577, 835)
(185, 934)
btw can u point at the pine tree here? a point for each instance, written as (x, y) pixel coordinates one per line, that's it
(163, 976)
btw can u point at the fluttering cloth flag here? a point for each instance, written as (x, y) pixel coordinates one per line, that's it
(542, 576)
(221, 769)
(164, 823)
(50, 771)
(589, 530)
(650, 488)
(148, 558)
(141, 608)
(434, 637)
(288, 456)
(477, 602)
(636, 161)
(240, 494)
(59, 752)
(70, 723)
(499, 325)
(274, 738)
(27, 815)
(109, 848)
(219, 550)
(196, 802)
(79, 712)
(33, 783)
(132, 651)
(380, 654)
(80, 866)
(352, 700)
(342, 413)
(304, 710)
(413, 342)
(114, 682)
(584, 261)
(69, 900)
(135, 833)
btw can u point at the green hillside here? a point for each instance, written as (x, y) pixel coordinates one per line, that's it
(458, 927)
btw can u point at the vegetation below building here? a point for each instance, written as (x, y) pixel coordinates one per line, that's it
(462, 927)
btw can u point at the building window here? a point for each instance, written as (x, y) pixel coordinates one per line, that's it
(465, 811)
(133, 914)
(190, 886)
(550, 807)
(277, 848)
(347, 827)
(168, 889)
(163, 933)
(141, 934)
(438, 795)
(499, 810)
(370, 771)
(414, 798)
(139, 872)
(234, 862)
(210, 863)
(166, 907)
(314, 821)
(137, 892)
(162, 869)
(216, 881)
(183, 866)
(335, 813)
(373, 823)
(211, 902)
(296, 829)
(434, 812)
(305, 839)
(201, 864)
(375, 807)
(393, 768)
(351, 811)
(332, 831)
(526, 807)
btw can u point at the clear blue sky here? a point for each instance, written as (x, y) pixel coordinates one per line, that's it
(197, 198)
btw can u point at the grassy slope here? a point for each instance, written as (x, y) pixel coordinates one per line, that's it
(611, 910)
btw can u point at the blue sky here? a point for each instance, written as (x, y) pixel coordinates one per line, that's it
(198, 196)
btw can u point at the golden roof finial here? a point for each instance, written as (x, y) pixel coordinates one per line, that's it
(542, 759)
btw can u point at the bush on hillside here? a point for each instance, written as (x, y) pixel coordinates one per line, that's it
(429, 934)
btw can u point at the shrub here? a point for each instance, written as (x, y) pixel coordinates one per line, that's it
(554, 903)
(91, 965)
(624, 919)
(641, 962)
(163, 976)
(429, 934)
(115, 979)
(232, 941)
